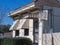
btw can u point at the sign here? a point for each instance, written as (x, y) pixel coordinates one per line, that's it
(44, 15)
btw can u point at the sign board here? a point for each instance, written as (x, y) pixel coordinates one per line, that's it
(44, 15)
(53, 3)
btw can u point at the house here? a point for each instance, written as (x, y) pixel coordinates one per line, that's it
(41, 26)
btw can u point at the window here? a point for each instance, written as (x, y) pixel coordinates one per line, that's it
(36, 24)
(17, 33)
(26, 32)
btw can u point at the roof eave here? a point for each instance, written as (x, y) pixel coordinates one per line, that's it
(22, 10)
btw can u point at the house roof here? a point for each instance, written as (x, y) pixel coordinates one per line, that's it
(23, 9)
(33, 6)
(53, 3)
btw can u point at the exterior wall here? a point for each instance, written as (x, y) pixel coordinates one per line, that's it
(31, 28)
(13, 33)
(49, 39)
(8, 35)
(55, 20)
(56, 27)
(46, 28)
(40, 32)
(21, 31)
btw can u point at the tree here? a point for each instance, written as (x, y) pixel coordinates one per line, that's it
(3, 12)
(4, 28)
(1, 17)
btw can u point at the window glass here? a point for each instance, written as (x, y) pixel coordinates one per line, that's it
(36, 24)
(26, 32)
(17, 32)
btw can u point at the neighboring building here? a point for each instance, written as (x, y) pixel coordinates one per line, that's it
(1, 34)
(8, 34)
(30, 22)
(5, 32)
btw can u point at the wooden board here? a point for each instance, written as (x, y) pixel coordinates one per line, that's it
(53, 3)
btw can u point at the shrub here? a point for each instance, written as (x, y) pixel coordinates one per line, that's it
(0, 41)
(23, 41)
(16, 41)
(8, 41)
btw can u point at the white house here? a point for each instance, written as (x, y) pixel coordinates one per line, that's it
(41, 26)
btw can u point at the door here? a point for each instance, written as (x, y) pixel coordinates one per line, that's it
(35, 31)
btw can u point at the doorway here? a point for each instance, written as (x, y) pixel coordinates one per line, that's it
(35, 30)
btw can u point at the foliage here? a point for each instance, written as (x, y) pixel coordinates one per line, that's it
(0, 41)
(4, 28)
(16, 41)
(23, 41)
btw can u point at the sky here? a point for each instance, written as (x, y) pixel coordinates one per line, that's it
(7, 6)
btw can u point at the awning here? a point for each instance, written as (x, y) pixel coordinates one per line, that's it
(26, 24)
(14, 26)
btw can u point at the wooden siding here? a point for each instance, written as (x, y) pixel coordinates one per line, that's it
(47, 39)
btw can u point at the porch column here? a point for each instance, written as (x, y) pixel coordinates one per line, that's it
(31, 29)
(40, 40)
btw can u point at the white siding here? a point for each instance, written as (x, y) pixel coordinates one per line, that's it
(40, 32)
(21, 34)
(47, 39)
(21, 31)
(13, 34)
(31, 29)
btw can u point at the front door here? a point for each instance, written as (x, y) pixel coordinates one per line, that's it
(35, 31)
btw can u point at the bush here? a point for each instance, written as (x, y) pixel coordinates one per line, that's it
(16, 41)
(23, 41)
(8, 41)
(0, 41)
